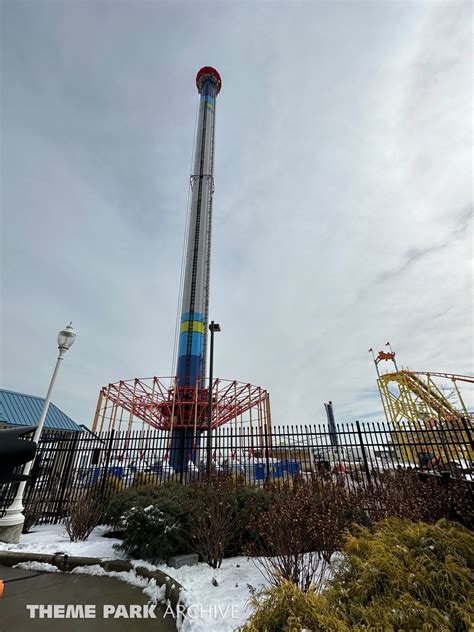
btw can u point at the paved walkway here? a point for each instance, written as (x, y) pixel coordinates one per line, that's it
(32, 587)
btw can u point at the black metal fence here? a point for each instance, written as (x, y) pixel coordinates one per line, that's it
(69, 466)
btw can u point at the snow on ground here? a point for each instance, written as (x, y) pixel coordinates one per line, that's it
(52, 538)
(216, 608)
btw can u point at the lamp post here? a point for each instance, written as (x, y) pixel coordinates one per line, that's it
(212, 328)
(12, 522)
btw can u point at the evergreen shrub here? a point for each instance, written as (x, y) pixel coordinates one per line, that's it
(154, 520)
(400, 576)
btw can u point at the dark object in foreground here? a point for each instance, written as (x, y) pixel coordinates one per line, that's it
(15, 452)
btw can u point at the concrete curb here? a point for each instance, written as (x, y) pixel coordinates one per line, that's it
(67, 562)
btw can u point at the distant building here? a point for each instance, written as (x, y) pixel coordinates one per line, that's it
(19, 409)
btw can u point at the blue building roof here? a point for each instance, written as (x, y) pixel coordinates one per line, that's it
(19, 409)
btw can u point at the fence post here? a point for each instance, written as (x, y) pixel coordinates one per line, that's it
(267, 458)
(69, 463)
(468, 431)
(106, 466)
(364, 455)
(181, 457)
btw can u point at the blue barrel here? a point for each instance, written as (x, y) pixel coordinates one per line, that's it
(259, 471)
(293, 467)
(277, 469)
(157, 468)
(96, 474)
(116, 470)
(113, 470)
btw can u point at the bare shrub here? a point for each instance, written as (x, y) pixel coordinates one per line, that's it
(33, 512)
(336, 508)
(287, 538)
(406, 495)
(461, 503)
(84, 516)
(215, 520)
(305, 526)
(419, 497)
(300, 532)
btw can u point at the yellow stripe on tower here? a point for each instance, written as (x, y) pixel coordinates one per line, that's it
(196, 326)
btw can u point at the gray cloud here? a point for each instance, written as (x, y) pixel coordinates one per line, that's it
(463, 219)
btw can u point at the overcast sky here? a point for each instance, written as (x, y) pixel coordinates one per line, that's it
(343, 203)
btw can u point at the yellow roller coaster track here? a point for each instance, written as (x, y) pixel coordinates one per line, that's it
(425, 419)
(418, 401)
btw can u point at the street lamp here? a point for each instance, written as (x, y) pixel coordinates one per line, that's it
(12, 522)
(212, 328)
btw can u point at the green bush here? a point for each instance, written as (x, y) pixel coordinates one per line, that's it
(142, 496)
(403, 576)
(286, 608)
(154, 519)
(150, 532)
(406, 576)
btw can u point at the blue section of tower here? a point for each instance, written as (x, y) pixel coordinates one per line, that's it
(190, 364)
(191, 347)
(197, 343)
(193, 316)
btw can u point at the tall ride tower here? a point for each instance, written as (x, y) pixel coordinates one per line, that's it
(188, 404)
(191, 362)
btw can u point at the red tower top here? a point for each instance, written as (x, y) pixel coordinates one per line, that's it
(208, 70)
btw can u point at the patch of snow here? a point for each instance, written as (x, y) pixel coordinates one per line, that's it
(53, 538)
(156, 594)
(216, 608)
(37, 566)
